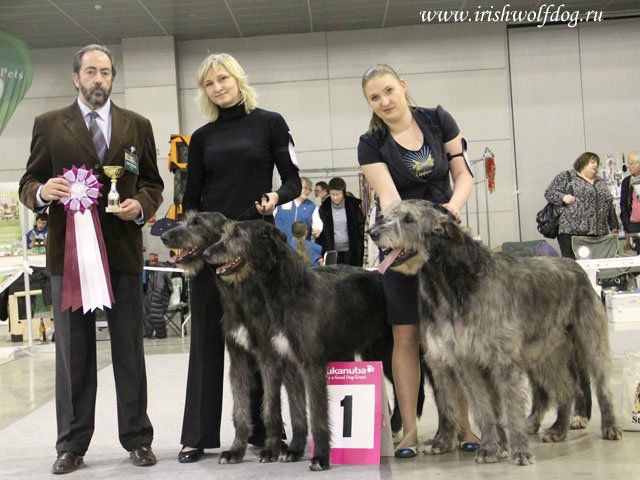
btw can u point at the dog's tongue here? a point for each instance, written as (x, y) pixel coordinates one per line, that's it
(388, 260)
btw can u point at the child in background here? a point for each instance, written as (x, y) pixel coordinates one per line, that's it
(38, 234)
(309, 252)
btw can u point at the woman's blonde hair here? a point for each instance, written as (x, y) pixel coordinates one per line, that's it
(299, 232)
(377, 124)
(248, 95)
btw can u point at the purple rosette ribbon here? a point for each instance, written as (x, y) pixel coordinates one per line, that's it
(85, 280)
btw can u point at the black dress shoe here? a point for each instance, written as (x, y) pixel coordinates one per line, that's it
(142, 456)
(66, 462)
(190, 456)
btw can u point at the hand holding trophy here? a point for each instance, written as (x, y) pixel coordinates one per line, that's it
(113, 199)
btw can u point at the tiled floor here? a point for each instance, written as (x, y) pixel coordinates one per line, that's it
(27, 433)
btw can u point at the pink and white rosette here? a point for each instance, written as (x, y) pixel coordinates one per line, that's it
(85, 281)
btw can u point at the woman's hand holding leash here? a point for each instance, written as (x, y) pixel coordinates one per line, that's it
(267, 203)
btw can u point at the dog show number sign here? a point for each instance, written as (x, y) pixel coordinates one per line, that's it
(356, 403)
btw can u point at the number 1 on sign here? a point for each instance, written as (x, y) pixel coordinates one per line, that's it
(347, 404)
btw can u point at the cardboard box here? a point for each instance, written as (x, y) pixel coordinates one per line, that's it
(19, 326)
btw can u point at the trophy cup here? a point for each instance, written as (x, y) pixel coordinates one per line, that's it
(113, 199)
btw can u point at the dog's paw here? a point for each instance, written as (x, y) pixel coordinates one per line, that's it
(291, 455)
(231, 456)
(503, 451)
(611, 433)
(491, 453)
(578, 422)
(274, 453)
(532, 426)
(318, 464)
(552, 435)
(267, 456)
(523, 458)
(437, 446)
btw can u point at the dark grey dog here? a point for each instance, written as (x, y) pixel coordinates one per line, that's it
(192, 237)
(292, 318)
(493, 319)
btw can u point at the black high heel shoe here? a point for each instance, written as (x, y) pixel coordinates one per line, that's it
(190, 456)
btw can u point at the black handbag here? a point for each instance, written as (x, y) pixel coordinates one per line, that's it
(548, 218)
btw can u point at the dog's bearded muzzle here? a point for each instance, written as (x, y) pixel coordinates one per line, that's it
(187, 255)
(227, 268)
(224, 262)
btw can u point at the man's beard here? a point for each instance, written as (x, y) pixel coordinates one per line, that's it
(93, 100)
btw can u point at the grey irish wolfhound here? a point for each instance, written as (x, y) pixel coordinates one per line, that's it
(491, 319)
(291, 318)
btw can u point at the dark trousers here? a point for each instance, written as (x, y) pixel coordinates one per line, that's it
(564, 241)
(344, 258)
(205, 378)
(76, 376)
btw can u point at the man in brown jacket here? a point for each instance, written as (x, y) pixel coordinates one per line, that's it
(61, 139)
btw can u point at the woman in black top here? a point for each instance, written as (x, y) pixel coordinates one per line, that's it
(410, 153)
(229, 170)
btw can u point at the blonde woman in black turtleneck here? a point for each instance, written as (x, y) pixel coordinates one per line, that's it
(229, 168)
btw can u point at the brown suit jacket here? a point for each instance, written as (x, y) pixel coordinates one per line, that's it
(60, 140)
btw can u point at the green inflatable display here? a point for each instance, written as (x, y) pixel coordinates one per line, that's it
(16, 74)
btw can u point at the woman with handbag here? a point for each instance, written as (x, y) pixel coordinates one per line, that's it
(587, 204)
(411, 153)
(229, 170)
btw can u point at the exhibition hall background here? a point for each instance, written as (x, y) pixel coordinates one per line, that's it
(537, 97)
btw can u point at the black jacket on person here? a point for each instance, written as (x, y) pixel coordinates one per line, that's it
(626, 200)
(355, 228)
(156, 302)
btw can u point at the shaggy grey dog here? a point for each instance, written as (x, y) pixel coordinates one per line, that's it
(282, 311)
(493, 319)
(192, 237)
(290, 317)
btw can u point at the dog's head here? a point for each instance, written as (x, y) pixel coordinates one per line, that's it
(406, 231)
(251, 246)
(193, 236)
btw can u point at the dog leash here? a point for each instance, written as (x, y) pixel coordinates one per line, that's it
(253, 207)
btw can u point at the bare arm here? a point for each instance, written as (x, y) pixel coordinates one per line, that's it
(379, 178)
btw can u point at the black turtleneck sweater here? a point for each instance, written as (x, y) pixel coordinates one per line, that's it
(230, 163)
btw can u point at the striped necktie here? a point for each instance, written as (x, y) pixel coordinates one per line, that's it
(96, 135)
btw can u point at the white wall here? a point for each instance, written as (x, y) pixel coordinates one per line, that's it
(574, 90)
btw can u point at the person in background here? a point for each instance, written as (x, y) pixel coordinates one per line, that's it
(630, 198)
(300, 209)
(411, 152)
(94, 131)
(309, 252)
(230, 168)
(588, 208)
(39, 231)
(343, 224)
(321, 191)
